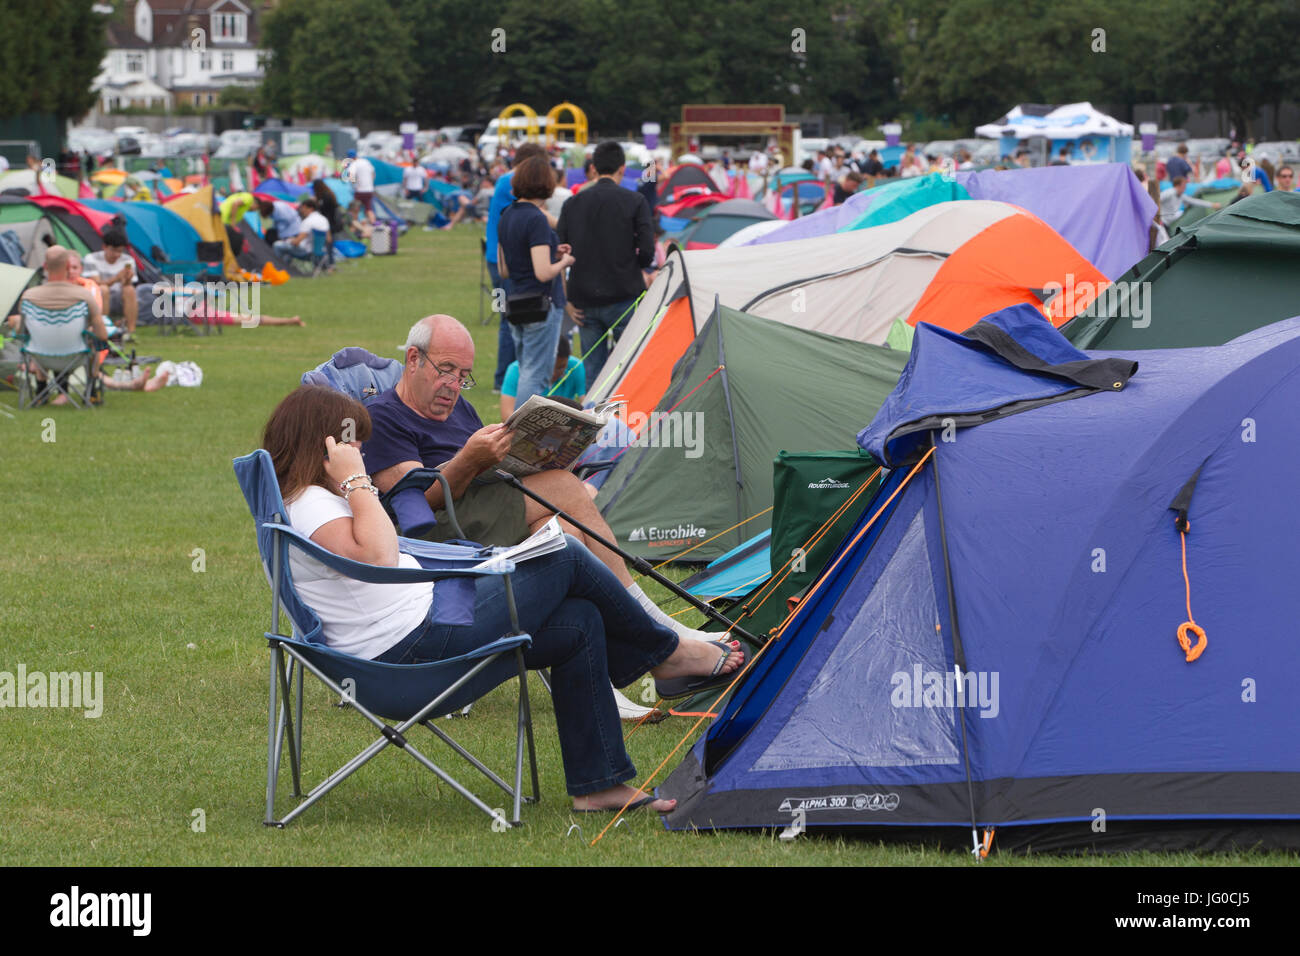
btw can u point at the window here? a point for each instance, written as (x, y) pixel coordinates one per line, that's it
(135, 63)
(211, 98)
(227, 62)
(205, 61)
(228, 26)
(197, 99)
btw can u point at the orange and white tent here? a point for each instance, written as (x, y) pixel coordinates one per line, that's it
(949, 264)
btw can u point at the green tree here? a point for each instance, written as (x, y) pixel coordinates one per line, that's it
(1238, 55)
(337, 58)
(51, 55)
(853, 71)
(279, 30)
(455, 74)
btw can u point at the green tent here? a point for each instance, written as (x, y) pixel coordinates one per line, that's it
(1234, 271)
(35, 228)
(13, 280)
(746, 389)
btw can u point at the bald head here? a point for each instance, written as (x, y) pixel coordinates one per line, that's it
(439, 350)
(439, 331)
(56, 263)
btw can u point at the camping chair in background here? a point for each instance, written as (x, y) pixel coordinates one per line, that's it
(406, 694)
(59, 346)
(322, 253)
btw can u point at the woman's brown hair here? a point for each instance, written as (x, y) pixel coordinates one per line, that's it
(295, 434)
(533, 179)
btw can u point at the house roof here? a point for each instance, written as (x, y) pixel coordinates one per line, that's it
(121, 36)
(172, 24)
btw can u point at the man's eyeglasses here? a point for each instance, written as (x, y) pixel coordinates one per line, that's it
(449, 372)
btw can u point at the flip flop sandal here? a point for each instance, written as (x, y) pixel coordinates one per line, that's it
(636, 805)
(675, 687)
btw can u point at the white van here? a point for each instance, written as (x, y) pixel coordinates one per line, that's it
(516, 130)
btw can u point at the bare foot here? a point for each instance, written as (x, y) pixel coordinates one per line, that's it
(697, 659)
(59, 399)
(615, 797)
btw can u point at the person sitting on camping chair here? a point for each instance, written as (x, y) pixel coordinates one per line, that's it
(285, 221)
(425, 422)
(584, 624)
(59, 292)
(300, 245)
(357, 223)
(114, 270)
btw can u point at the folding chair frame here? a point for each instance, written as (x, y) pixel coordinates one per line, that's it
(83, 397)
(282, 727)
(322, 253)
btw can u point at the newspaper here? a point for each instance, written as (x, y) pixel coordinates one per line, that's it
(549, 537)
(549, 434)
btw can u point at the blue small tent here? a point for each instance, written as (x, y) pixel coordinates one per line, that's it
(386, 174)
(151, 226)
(993, 654)
(282, 189)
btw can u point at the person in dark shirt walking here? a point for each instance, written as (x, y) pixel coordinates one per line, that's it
(610, 233)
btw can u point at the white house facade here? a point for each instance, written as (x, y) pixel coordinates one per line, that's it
(180, 52)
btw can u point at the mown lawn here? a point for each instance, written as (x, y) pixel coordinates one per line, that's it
(128, 550)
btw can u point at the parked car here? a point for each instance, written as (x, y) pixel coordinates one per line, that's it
(128, 146)
(99, 143)
(1211, 148)
(1279, 151)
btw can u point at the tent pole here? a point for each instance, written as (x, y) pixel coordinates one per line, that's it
(958, 652)
(640, 564)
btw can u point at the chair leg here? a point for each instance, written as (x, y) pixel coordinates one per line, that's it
(390, 735)
(286, 718)
(298, 736)
(545, 676)
(532, 750)
(272, 735)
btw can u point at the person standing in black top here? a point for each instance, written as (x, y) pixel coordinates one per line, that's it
(612, 238)
(529, 255)
(328, 204)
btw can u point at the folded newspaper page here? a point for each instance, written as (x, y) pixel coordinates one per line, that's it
(549, 434)
(549, 537)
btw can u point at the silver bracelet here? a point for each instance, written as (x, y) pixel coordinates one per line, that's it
(347, 495)
(343, 485)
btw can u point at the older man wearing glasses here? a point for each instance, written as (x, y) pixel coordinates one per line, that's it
(425, 421)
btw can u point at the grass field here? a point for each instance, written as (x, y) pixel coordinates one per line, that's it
(99, 571)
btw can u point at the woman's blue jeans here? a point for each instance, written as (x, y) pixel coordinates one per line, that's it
(535, 346)
(587, 629)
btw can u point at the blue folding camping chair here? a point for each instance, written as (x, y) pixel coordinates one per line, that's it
(404, 694)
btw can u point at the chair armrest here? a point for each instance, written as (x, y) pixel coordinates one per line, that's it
(418, 523)
(374, 574)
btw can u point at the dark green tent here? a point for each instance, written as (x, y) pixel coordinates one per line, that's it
(745, 390)
(35, 228)
(1228, 274)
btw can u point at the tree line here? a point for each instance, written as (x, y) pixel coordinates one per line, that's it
(954, 63)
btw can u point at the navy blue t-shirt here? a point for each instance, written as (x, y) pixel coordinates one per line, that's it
(398, 434)
(523, 226)
(1177, 166)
